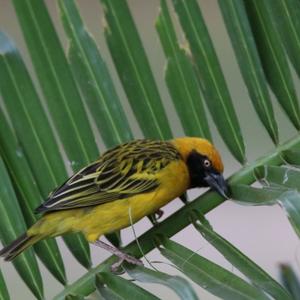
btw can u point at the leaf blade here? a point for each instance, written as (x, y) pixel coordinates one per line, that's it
(34, 132)
(181, 79)
(273, 57)
(289, 11)
(56, 80)
(29, 196)
(284, 177)
(134, 70)
(209, 275)
(13, 225)
(120, 288)
(213, 84)
(250, 269)
(3, 289)
(292, 156)
(178, 284)
(93, 77)
(290, 280)
(290, 201)
(242, 40)
(287, 198)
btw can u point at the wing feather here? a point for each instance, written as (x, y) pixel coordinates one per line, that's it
(124, 171)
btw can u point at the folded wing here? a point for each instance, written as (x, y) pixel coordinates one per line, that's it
(122, 172)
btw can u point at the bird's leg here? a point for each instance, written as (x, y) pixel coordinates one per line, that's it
(184, 198)
(122, 256)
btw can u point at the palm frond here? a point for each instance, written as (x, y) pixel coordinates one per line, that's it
(43, 136)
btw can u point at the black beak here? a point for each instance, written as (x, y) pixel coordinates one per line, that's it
(217, 182)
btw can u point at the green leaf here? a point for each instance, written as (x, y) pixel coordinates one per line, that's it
(28, 196)
(56, 80)
(134, 70)
(74, 297)
(251, 270)
(178, 284)
(94, 79)
(292, 156)
(242, 40)
(290, 280)
(254, 196)
(273, 57)
(279, 176)
(29, 119)
(181, 79)
(209, 275)
(114, 287)
(287, 13)
(34, 131)
(79, 247)
(3, 289)
(285, 178)
(12, 225)
(211, 78)
(288, 199)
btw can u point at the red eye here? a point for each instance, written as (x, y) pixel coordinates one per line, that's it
(206, 163)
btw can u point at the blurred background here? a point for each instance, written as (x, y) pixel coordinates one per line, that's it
(262, 233)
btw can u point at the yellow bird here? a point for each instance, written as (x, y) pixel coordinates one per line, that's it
(126, 183)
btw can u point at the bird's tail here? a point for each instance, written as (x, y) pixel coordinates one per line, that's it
(18, 246)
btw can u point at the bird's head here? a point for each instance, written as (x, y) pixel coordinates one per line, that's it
(204, 163)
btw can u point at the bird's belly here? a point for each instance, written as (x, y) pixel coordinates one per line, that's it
(107, 218)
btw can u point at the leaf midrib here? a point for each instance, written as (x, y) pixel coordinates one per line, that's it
(5, 216)
(127, 48)
(175, 55)
(213, 279)
(213, 79)
(33, 128)
(57, 82)
(270, 44)
(286, 10)
(91, 72)
(252, 67)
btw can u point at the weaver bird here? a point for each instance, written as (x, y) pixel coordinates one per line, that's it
(126, 183)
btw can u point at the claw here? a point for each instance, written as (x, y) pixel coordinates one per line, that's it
(156, 216)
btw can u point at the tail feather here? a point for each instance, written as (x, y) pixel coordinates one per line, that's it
(17, 246)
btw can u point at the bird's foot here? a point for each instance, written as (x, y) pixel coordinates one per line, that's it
(122, 256)
(128, 258)
(156, 216)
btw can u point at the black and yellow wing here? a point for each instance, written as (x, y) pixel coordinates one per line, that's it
(121, 172)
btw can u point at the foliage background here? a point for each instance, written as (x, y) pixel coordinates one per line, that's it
(262, 233)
